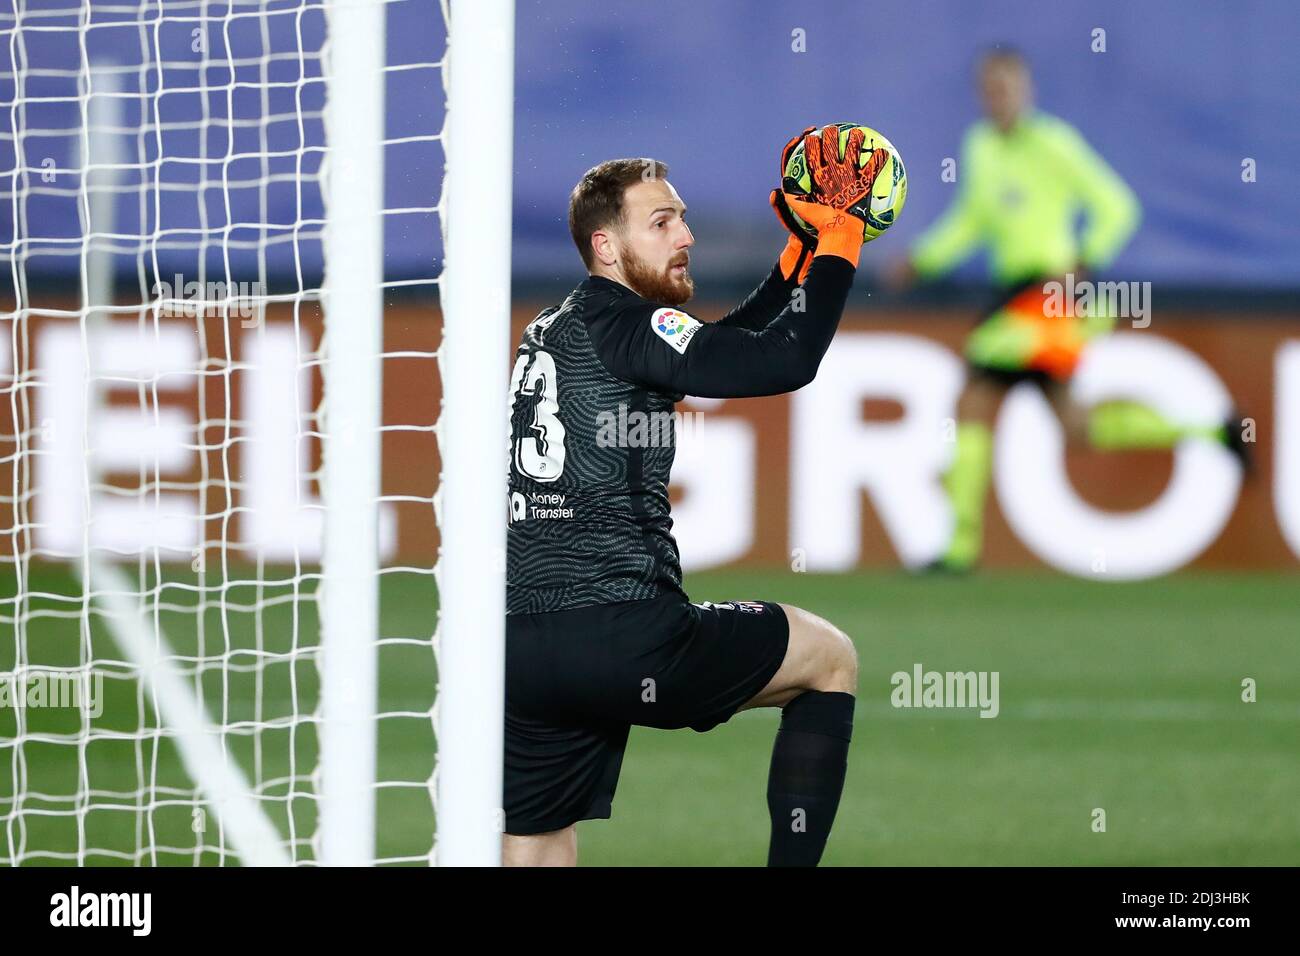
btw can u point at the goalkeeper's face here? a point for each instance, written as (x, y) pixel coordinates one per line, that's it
(654, 243)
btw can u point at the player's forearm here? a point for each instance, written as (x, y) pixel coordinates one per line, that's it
(808, 324)
(785, 355)
(1112, 210)
(763, 304)
(1113, 216)
(952, 239)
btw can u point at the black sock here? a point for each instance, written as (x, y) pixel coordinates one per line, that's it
(809, 760)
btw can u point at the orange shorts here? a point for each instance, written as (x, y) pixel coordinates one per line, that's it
(1033, 331)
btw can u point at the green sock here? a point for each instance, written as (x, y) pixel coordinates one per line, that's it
(967, 484)
(1117, 425)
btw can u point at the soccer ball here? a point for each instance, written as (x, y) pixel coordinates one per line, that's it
(887, 195)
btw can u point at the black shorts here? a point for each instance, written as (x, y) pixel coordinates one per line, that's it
(577, 680)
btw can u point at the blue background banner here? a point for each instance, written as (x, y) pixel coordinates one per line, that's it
(1182, 95)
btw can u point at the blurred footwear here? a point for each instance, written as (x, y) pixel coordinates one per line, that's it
(946, 567)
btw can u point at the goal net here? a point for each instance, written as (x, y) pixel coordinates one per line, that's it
(229, 353)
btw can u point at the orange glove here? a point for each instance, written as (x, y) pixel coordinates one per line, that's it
(796, 260)
(840, 182)
(796, 257)
(838, 233)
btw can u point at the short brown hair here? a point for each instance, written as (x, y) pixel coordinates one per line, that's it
(597, 201)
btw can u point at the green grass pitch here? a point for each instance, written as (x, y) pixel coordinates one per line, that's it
(1125, 697)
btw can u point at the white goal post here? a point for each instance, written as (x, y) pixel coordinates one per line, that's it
(353, 345)
(223, 460)
(474, 430)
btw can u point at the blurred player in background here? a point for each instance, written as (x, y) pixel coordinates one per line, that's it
(1023, 179)
(600, 635)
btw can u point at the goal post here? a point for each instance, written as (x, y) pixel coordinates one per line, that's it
(473, 430)
(353, 308)
(254, 342)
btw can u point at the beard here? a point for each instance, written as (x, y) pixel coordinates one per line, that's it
(661, 285)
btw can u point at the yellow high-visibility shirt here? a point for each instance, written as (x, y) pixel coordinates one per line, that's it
(1020, 195)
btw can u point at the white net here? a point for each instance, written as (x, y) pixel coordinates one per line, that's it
(165, 172)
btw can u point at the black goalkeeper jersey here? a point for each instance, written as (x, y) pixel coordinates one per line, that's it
(592, 442)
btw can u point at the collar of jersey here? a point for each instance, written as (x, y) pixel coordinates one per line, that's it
(607, 285)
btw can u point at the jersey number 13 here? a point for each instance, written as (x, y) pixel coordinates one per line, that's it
(538, 452)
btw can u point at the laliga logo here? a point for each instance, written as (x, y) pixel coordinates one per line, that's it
(674, 327)
(671, 321)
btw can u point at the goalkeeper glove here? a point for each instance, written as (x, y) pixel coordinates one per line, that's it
(838, 233)
(841, 182)
(796, 258)
(838, 183)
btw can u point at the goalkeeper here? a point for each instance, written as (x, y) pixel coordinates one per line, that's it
(1024, 177)
(600, 635)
